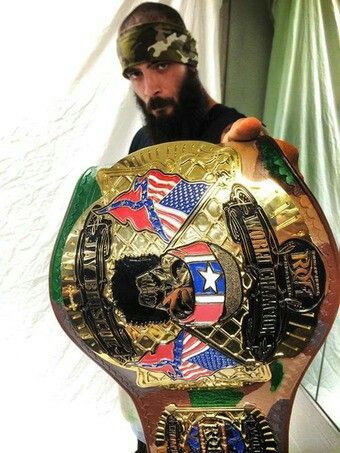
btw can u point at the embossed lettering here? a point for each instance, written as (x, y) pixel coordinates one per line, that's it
(302, 271)
(267, 278)
(258, 239)
(213, 440)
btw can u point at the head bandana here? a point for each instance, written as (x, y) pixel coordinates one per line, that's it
(156, 41)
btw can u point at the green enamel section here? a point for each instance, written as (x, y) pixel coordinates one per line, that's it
(275, 163)
(85, 193)
(277, 375)
(215, 398)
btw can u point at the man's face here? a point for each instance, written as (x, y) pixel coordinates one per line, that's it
(172, 99)
(158, 85)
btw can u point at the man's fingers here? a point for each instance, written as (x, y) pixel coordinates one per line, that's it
(246, 129)
(243, 130)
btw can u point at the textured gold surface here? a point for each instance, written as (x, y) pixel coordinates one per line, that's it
(232, 377)
(195, 161)
(212, 420)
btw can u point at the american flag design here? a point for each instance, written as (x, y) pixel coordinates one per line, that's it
(186, 358)
(208, 280)
(157, 202)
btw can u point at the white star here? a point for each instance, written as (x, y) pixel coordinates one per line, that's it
(210, 278)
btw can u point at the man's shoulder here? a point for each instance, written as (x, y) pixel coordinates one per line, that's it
(217, 120)
(220, 111)
(140, 140)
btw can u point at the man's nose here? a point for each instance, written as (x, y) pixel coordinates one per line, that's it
(151, 85)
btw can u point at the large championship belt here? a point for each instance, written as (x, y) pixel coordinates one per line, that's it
(203, 278)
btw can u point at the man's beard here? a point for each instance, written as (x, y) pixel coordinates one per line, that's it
(184, 122)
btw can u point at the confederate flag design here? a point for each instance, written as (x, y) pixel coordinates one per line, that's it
(157, 202)
(186, 358)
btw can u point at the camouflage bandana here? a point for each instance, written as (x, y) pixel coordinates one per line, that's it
(156, 41)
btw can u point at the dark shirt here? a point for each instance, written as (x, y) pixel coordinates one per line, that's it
(216, 120)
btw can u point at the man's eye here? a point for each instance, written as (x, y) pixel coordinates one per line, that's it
(133, 75)
(161, 66)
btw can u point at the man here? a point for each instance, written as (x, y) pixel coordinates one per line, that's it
(159, 57)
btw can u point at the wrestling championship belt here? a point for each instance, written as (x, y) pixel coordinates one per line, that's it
(203, 278)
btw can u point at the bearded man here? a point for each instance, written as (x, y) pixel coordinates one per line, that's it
(159, 57)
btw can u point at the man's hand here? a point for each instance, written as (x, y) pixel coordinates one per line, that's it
(246, 129)
(243, 130)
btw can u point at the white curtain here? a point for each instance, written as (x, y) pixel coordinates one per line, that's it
(64, 107)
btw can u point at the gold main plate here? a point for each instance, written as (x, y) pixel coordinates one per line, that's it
(271, 218)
